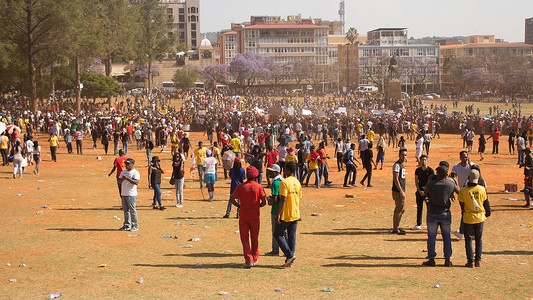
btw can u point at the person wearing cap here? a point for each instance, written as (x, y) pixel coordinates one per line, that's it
(274, 172)
(290, 193)
(251, 197)
(210, 169)
(129, 179)
(475, 209)
(237, 176)
(154, 181)
(438, 193)
(200, 155)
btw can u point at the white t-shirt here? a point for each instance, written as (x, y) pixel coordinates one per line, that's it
(461, 173)
(29, 146)
(363, 145)
(210, 164)
(137, 134)
(282, 153)
(420, 144)
(128, 188)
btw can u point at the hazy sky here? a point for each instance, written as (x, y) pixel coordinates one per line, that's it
(505, 19)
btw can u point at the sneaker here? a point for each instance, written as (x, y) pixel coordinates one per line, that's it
(272, 253)
(399, 232)
(123, 228)
(477, 264)
(249, 266)
(289, 261)
(179, 205)
(345, 185)
(154, 207)
(429, 263)
(416, 227)
(134, 228)
(470, 265)
(369, 185)
(448, 263)
(162, 208)
(354, 185)
(225, 216)
(458, 234)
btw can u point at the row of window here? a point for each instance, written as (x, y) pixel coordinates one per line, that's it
(400, 52)
(317, 51)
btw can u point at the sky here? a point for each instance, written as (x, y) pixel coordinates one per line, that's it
(505, 19)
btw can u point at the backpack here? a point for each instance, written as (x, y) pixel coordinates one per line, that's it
(227, 159)
(345, 158)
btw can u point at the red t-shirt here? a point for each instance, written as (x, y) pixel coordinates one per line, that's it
(322, 153)
(271, 158)
(250, 194)
(496, 136)
(129, 129)
(120, 163)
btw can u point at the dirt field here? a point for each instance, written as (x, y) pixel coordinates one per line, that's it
(348, 248)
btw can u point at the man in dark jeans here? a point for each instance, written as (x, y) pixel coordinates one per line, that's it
(290, 192)
(350, 167)
(422, 175)
(439, 192)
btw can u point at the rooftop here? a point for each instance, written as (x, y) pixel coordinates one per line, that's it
(285, 26)
(486, 45)
(383, 29)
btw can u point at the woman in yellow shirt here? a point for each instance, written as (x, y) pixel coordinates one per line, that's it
(53, 146)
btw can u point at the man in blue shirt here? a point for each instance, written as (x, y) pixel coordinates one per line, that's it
(350, 166)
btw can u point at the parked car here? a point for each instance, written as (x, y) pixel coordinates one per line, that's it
(427, 97)
(435, 95)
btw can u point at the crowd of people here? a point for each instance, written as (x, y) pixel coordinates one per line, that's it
(284, 138)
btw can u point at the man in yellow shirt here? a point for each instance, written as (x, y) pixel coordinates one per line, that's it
(290, 193)
(236, 143)
(53, 146)
(4, 142)
(472, 198)
(370, 135)
(200, 156)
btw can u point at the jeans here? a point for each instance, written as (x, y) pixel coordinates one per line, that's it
(473, 231)
(125, 147)
(106, 147)
(139, 144)
(119, 187)
(17, 166)
(367, 175)
(339, 161)
(4, 157)
(445, 224)
(351, 171)
(288, 244)
(201, 173)
(324, 173)
(520, 156)
(419, 208)
(249, 230)
(495, 146)
(130, 211)
(69, 148)
(79, 144)
(399, 209)
(228, 209)
(317, 177)
(157, 194)
(115, 147)
(303, 171)
(53, 151)
(149, 155)
(179, 190)
(259, 178)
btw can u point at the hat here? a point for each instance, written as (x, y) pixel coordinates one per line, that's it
(155, 158)
(274, 168)
(291, 151)
(237, 159)
(251, 172)
(208, 152)
(473, 177)
(130, 161)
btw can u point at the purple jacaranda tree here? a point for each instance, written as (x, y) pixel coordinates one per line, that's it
(212, 74)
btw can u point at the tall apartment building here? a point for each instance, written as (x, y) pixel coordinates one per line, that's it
(529, 31)
(387, 37)
(185, 16)
(288, 40)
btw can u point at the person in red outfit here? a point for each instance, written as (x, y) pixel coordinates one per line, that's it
(252, 197)
(495, 140)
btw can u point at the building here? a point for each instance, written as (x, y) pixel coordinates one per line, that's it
(185, 19)
(285, 41)
(348, 56)
(387, 37)
(529, 31)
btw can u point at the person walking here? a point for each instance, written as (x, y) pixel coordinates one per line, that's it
(119, 164)
(210, 169)
(351, 168)
(398, 191)
(154, 181)
(53, 146)
(178, 165)
(200, 155)
(78, 136)
(237, 176)
(273, 200)
(290, 193)
(36, 156)
(18, 157)
(68, 141)
(129, 179)
(313, 161)
(324, 173)
(4, 145)
(251, 197)
(367, 159)
(439, 192)
(475, 209)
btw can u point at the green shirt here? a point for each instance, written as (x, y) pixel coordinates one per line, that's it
(275, 192)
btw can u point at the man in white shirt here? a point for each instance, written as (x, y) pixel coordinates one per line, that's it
(129, 179)
(210, 171)
(138, 136)
(460, 172)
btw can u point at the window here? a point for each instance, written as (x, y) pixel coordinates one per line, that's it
(404, 52)
(421, 51)
(193, 26)
(395, 52)
(431, 52)
(182, 18)
(181, 10)
(169, 10)
(181, 25)
(193, 43)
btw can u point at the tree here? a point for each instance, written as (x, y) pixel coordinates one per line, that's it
(301, 70)
(154, 39)
(249, 68)
(352, 35)
(97, 85)
(212, 74)
(184, 79)
(34, 26)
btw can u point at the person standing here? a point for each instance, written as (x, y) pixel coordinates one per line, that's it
(199, 155)
(460, 173)
(398, 191)
(68, 140)
(236, 144)
(36, 156)
(481, 148)
(313, 160)
(439, 192)
(251, 197)
(422, 177)
(178, 165)
(78, 136)
(475, 209)
(290, 193)
(4, 144)
(339, 151)
(129, 179)
(367, 159)
(106, 137)
(53, 146)
(210, 168)
(324, 173)
(237, 176)
(274, 172)
(351, 167)
(125, 138)
(154, 181)
(495, 140)
(17, 158)
(116, 140)
(119, 164)
(520, 147)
